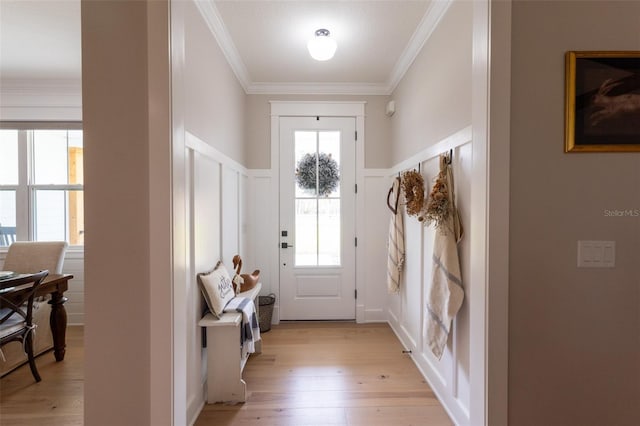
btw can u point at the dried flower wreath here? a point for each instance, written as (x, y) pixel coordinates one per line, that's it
(328, 171)
(438, 207)
(413, 188)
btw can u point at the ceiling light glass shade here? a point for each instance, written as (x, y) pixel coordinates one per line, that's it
(322, 47)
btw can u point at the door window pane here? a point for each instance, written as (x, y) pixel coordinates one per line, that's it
(317, 204)
(329, 235)
(9, 156)
(329, 149)
(306, 245)
(306, 163)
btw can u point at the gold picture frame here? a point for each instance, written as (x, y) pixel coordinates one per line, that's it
(602, 101)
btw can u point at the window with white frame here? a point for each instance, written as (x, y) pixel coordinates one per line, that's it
(41, 185)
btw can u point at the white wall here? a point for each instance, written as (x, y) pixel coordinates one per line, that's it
(377, 153)
(262, 229)
(211, 103)
(74, 264)
(449, 376)
(373, 151)
(215, 216)
(373, 223)
(433, 115)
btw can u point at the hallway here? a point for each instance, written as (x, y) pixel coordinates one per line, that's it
(331, 373)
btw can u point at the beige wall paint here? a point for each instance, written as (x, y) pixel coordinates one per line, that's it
(377, 128)
(433, 100)
(214, 99)
(160, 213)
(574, 334)
(116, 137)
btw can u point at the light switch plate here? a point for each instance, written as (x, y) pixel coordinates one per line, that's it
(596, 254)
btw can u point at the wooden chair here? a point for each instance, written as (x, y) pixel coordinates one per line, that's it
(16, 313)
(27, 257)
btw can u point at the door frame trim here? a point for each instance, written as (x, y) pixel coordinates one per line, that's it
(311, 109)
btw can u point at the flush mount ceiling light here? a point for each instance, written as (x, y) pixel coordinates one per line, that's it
(322, 47)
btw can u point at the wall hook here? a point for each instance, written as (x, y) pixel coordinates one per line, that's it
(449, 157)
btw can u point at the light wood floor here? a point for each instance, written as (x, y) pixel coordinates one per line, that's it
(308, 374)
(57, 400)
(331, 374)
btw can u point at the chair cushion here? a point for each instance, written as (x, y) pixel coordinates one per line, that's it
(217, 288)
(34, 256)
(13, 324)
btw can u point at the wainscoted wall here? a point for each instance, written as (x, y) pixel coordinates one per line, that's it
(372, 225)
(433, 115)
(262, 225)
(263, 251)
(231, 211)
(449, 376)
(74, 264)
(217, 230)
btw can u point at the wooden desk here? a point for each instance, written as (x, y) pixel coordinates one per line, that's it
(56, 285)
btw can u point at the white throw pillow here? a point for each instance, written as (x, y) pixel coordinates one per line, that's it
(217, 288)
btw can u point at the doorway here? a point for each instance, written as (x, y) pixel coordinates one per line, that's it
(317, 218)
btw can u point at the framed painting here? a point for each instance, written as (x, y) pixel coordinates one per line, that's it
(602, 101)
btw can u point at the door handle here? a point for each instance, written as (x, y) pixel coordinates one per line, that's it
(285, 245)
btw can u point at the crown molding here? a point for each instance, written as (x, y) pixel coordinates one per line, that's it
(50, 86)
(317, 89)
(428, 24)
(214, 21)
(40, 100)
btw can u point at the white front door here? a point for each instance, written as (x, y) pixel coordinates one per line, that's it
(317, 218)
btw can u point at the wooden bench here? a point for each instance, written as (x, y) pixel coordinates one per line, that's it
(225, 358)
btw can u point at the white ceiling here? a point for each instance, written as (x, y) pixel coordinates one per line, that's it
(40, 39)
(264, 41)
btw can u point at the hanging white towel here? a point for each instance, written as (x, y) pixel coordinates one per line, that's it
(395, 259)
(446, 292)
